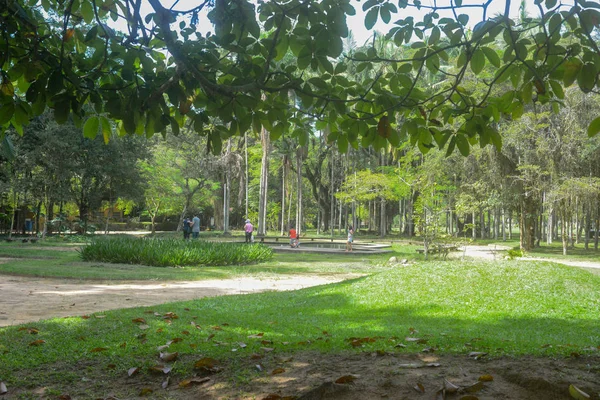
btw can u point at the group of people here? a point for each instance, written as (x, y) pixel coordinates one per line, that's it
(191, 226)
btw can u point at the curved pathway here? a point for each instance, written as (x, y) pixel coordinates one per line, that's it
(29, 299)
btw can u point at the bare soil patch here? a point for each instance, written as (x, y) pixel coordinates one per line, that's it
(29, 299)
(312, 376)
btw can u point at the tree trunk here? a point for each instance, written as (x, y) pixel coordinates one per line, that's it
(264, 178)
(563, 228)
(283, 169)
(550, 227)
(588, 227)
(299, 209)
(12, 219)
(527, 223)
(503, 224)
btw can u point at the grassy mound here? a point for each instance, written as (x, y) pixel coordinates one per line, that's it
(171, 252)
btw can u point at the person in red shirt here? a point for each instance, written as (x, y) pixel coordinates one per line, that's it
(294, 238)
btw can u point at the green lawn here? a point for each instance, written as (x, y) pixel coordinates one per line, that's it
(59, 263)
(502, 308)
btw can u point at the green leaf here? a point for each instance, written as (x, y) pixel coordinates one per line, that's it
(87, 12)
(594, 127)
(463, 19)
(477, 61)
(557, 89)
(371, 18)
(572, 68)
(6, 112)
(587, 77)
(90, 129)
(106, 129)
(434, 37)
(492, 56)
(463, 145)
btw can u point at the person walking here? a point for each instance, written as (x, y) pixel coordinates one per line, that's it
(350, 238)
(186, 228)
(195, 227)
(248, 229)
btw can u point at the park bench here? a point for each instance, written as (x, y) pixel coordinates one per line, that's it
(286, 238)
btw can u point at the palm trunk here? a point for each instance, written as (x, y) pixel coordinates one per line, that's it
(264, 180)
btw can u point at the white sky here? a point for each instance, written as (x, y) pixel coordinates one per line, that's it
(356, 23)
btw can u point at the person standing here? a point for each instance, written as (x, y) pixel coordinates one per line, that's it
(186, 228)
(294, 238)
(195, 227)
(350, 238)
(248, 229)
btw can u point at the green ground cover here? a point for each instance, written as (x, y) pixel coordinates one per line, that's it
(501, 308)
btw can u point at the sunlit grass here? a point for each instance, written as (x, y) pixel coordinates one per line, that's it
(501, 308)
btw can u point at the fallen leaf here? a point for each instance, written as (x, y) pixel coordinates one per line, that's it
(477, 354)
(171, 315)
(149, 312)
(33, 331)
(3, 389)
(98, 349)
(256, 336)
(37, 343)
(212, 335)
(100, 316)
(176, 340)
(139, 320)
(64, 397)
(577, 393)
(416, 340)
(419, 388)
(216, 328)
(123, 345)
(193, 381)
(450, 387)
(266, 342)
(145, 391)
(111, 366)
(259, 367)
(143, 327)
(186, 309)
(419, 365)
(193, 345)
(278, 371)
(242, 345)
(207, 364)
(159, 330)
(158, 369)
(402, 346)
(486, 378)
(272, 396)
(185, 332)
(225, 324)
(85, 317)
(133, 371)
(476, 387)
(256, 356)
(163, 347)
(346, 379)
(267, 349)
(165, 383)
(169, 356)
(469, 397)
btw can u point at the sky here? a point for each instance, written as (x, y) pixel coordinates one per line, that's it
(356, 22)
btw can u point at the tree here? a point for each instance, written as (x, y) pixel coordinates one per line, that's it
(65, 55)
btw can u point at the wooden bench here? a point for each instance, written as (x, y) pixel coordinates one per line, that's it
(287, 238)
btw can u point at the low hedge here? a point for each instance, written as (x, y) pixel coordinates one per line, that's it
(172, 252)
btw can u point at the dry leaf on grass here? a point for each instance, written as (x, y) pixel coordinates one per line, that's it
(159, 369)
(346, 379)
(193, 381)
(267, 349)
(477, 354)
(133, 371)
(98, 349)
(278, 371)
(486, 378)
(176, 340)
(138, 320)
(169, 356)
(419, 388)
(207, 364)
(256, 336)
(450, 387)
(165, 383)
(37, 343)
(143, 327)
(419, 365)
(64, 397)
(145, 391)
(3, 389)
(476, 387)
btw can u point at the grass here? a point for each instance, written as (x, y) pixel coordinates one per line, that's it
(502, 308)
(57, 263)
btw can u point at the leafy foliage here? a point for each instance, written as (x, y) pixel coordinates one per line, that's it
(172, 252)
(277, 65)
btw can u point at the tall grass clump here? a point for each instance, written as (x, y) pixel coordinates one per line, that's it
(172, 252)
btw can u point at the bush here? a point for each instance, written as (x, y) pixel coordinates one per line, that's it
(172, 252)
(514, 253)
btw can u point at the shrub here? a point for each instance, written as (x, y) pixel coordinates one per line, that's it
(514, 253)
(172, 252)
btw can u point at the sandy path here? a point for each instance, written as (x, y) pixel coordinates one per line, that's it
(491, 253)
(27, 299)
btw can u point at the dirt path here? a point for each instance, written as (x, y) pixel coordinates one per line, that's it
(492, 253)
(27, 299)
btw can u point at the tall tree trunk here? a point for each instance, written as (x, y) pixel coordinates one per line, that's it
(588, 227)
(563, 228)
(474, 225)
(382, 219)
(264, 178)
(12, 218)
(550, 227)
(246, 167)
(503, 224)
(299, 209)
(283, 173)
(527, 223)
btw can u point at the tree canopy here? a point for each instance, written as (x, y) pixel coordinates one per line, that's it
(282, 64)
